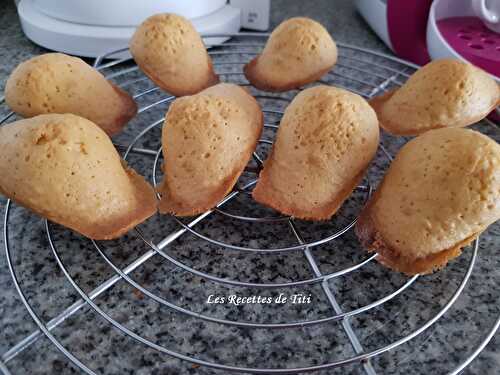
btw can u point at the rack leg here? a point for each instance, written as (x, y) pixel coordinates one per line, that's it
(108, 284)
(346, 324)
(3, 369)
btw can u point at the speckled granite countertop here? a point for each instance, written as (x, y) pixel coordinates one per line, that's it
(107, 351)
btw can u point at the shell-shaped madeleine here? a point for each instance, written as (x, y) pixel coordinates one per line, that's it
(299, 51)
(443, 93)
(58, 83)
(170, 51)
(325, 142)
(65, 168)
(207, 141)
(440, 192)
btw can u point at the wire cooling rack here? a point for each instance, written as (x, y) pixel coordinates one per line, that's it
(225, 229)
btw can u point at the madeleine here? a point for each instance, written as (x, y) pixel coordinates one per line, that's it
(58, 83)
(325, 142)
(299, 51)
(207, 141)
(440, 192)
(65, 168)
(444, 93)
(170, 51)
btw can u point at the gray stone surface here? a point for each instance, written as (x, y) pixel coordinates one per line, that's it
(106, 350)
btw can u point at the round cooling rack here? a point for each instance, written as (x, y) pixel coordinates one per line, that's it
(255, 251)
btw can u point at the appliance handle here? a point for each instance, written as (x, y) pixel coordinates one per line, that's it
(483, 12)
(407, 25)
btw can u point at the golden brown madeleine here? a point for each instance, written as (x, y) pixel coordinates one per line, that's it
(65, 168)
(58, 83)
(170, 51)
(443, 93)
(207, 141)
(440, 192)
(299, 51)
(326, 139)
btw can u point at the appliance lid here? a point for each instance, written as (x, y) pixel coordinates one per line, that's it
(114, 13)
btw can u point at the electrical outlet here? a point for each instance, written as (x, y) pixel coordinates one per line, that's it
(254, 13)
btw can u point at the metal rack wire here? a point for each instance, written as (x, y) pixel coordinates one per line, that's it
(354, 66)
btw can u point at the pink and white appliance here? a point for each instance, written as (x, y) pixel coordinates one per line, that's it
(421, 30)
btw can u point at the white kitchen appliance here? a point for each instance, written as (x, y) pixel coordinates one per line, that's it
(93, 27)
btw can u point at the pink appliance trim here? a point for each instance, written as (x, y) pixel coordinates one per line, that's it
(407, 24)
